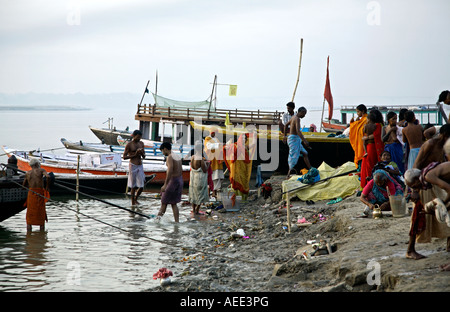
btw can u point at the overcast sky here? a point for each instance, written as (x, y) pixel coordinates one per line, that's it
(376, 48)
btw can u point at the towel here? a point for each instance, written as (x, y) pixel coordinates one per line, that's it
(174, 188)
(136, 176)
(198, 187)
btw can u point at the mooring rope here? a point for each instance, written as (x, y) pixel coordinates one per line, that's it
(142, 235)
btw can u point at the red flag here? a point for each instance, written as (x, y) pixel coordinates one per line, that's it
(327, 93)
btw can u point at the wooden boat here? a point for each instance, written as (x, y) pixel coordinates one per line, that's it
(109, 136)
(333, 126)
(325, 147)
(83, 146)
(237, 131)
(12, 196)
(152, 147)
(65, 184)
(98, 164)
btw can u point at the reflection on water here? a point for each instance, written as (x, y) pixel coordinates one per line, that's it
(76, 253)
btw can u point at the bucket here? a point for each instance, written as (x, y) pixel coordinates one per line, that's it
(227, 202)
(398, 205)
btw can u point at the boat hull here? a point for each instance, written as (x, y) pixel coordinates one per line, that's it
(109, 136)
(12, 197)
(330, 127)
(86, 172)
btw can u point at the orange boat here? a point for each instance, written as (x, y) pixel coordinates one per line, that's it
(95, 164)
(333, 126)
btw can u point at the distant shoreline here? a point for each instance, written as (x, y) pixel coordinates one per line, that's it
(42, 108)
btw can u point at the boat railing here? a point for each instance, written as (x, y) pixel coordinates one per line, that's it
(216, 115)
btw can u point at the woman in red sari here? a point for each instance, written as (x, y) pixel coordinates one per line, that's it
(374, 144)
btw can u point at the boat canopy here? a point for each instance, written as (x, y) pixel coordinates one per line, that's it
(165, 102)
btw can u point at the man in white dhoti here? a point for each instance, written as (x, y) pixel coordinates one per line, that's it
(198, 183)
(135, 152)
(214, 153)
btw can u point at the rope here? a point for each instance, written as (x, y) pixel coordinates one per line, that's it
(144, 236)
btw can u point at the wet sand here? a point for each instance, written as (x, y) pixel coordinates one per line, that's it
(368, 254)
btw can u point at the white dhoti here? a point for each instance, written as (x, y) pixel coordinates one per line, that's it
(136, 176)
(217, 177)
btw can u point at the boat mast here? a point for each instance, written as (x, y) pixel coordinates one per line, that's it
(145, 91)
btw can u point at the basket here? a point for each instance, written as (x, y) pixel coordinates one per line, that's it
(398, 206)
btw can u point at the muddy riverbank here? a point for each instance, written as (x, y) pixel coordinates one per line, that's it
(366, 254)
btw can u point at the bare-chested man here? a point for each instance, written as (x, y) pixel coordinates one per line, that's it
(295, 139)
(37, 195)
(135, 152)
(413, 135)
(173, 185)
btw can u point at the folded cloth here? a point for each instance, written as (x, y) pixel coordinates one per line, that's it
(36, 213)
(136, 176)
(295, 149)
(311, 177)
(172, 194)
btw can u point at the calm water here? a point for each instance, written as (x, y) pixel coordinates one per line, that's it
(76, 253)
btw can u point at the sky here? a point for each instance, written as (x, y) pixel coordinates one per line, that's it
(377, 48)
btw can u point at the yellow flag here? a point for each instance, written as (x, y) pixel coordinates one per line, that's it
(233, 90)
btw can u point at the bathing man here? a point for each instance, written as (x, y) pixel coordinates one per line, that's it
(37, 195)
(173, 186)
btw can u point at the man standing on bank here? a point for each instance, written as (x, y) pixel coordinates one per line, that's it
(135, 152)
(295, 140)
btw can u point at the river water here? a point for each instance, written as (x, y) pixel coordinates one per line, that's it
(78, 253)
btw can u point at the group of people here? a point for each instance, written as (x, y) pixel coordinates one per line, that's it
(201, 174)
(403, 157)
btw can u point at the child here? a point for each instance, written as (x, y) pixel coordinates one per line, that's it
(392, 137)
(390, 167)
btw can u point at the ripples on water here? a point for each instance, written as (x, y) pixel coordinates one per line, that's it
(76, 253)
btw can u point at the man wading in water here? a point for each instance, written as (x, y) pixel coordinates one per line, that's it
(173, 186)
(135, 152)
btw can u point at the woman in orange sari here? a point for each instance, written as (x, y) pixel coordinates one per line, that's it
(239, 158)
(375, 146)
(356, 133)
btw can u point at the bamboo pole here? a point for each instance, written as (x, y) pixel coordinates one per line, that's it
(156, 84)
(288, 209)
(78, 176)
(321, 119)
(299, 66)
(212, 92)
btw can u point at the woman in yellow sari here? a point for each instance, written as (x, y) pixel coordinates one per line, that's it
(356, 133)
(239, 158)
